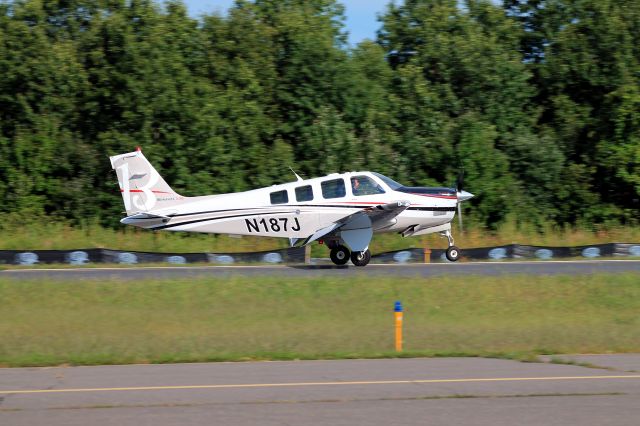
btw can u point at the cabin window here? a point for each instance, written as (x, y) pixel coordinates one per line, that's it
(333, 188)
(304, 193)
(364, 185)
(279, 197)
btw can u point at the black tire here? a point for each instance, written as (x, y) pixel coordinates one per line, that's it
(361, 258)
(453, 253)
(339, 255)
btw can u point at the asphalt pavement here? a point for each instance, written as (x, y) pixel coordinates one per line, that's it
(579, 267)
(440, 391)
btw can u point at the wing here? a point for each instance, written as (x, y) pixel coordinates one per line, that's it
(383, 215)
(357, 228)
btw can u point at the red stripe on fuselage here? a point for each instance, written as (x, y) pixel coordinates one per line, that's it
(446, 197)
(373, 203)
(140, 190)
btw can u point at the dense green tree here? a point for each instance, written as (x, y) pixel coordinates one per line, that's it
(586, 60)
(44, 168)
(486, 169)
(424, 141)
(368, 106)
(538, 101)
(469, 63)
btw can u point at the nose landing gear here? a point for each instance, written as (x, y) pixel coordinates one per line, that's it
(453, 252)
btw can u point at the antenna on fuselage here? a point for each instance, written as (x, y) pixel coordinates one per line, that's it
(297, 177)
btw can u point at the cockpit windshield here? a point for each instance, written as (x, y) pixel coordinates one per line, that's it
(390, 182)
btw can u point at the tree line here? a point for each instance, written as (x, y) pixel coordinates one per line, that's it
(537, 101)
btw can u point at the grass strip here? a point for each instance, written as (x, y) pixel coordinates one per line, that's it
(242, 318)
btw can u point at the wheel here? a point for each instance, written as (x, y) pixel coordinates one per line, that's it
(339, 255)
(360, 258)
(453, 253)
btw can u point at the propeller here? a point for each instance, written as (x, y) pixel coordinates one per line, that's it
(462, 195)
(460, 180)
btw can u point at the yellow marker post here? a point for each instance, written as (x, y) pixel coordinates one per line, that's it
(398, 314)
(427, 255)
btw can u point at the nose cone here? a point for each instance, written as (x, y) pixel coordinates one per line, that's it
(464, 196)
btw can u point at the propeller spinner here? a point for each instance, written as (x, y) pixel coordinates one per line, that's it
(461, 194)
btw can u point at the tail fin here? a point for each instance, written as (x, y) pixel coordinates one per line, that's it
(142, 188)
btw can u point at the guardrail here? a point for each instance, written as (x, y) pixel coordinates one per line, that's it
(300, 255)
(513, 251)
(84, 256)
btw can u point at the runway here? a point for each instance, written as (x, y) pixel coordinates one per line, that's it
(436, 391)
(406, 270)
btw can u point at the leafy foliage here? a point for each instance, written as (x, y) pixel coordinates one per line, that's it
(538, 101)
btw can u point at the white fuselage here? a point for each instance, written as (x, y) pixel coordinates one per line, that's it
(268, 212)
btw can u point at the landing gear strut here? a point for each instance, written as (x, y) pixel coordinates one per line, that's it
(453, 252)
(361, 258)
(339, 255)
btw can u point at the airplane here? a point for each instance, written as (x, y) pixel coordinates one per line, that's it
(341, 210)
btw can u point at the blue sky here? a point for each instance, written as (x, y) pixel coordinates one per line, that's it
(361, 14)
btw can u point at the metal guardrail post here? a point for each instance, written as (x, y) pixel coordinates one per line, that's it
(307, 254)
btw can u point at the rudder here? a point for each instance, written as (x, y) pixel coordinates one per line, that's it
(142, 187)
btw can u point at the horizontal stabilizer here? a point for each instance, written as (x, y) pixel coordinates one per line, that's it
(137, 218)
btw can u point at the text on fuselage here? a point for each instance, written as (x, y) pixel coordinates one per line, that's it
(280, 224)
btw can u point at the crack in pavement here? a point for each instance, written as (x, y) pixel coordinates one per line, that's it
(320, 401)
(570, 360)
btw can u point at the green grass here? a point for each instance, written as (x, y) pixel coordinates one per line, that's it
(214, 319)
(59, 236)
(50, 234)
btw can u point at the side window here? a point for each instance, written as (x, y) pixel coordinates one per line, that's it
(279, 197)
(364, 185)
(304, 193)
(333, 188)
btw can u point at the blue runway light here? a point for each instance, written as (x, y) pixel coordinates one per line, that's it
(398, 306)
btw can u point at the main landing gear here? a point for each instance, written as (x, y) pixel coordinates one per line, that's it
(361, 258)
(453, 252)
(340, 255)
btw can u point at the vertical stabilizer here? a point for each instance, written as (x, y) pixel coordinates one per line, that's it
(142, 188)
